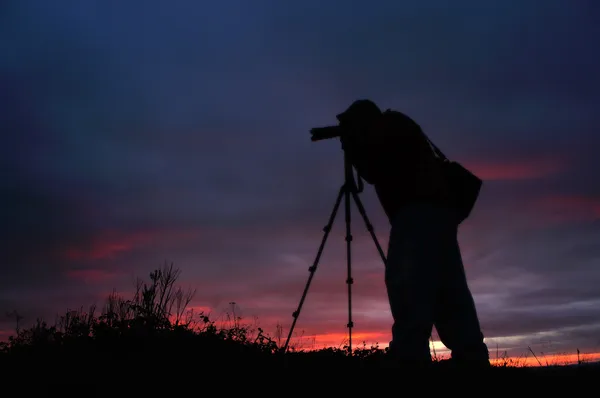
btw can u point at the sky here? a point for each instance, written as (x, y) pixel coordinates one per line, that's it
(136, 134)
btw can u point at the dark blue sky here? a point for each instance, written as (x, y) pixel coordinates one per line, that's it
(135, 133)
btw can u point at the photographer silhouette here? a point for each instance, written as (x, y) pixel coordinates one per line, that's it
(424, 273)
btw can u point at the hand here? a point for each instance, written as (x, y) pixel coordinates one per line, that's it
(344, 141)
(350, 140)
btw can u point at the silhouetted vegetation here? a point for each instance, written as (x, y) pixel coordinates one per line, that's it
(156, 334)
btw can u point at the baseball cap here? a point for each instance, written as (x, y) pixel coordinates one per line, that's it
(360, 111)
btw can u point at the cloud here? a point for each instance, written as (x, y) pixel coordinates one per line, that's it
(109, 244)
(515, 170)
(564, 208)
(91, 275)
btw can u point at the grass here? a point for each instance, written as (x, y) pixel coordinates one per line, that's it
(153, 341)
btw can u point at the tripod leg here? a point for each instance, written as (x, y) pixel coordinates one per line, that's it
(349, 280)
(363, 213)
(313, 268)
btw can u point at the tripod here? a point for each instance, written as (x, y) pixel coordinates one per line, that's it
(348, 190)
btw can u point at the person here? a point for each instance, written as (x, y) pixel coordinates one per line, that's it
(424, 273)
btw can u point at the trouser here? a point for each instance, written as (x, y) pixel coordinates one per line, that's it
(427, 287)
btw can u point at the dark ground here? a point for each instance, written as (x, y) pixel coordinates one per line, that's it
(148, 371)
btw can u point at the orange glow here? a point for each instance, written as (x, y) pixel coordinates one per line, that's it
(339, 340)
(309, 342)
(312, 342)
(546, 360)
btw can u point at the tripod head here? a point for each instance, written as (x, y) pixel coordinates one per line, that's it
(328, 132)
(353, 185)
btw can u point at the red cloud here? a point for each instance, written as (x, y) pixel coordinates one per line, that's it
(109, 244)
(515, 169)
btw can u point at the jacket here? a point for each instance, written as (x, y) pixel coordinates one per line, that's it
(394, 155)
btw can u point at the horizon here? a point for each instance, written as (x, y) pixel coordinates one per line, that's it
(179, 133)
(231, 317)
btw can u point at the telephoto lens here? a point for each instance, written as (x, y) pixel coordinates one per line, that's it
(323, 133)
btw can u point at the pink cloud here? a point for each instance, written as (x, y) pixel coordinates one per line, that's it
(91, 275)
(566, 208)
(523, 169)
(109, 244)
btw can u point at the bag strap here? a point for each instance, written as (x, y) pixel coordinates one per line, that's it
(433, 147)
